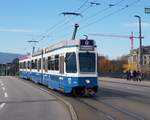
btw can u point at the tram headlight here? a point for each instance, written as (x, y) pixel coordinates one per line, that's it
(87, 81)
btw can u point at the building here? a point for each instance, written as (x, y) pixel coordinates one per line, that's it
(134, 62)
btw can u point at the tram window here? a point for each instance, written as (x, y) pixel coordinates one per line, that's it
(56, 64)
(61, 65)
(71, 66)
(20, 65)
(87, 62)
(49, 63)
(35, 64)
(28, 65)
(52, 65)
(24, 65)
(32, 64)
(39, 64)
(44, 63)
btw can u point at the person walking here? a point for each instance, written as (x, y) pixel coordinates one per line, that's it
(128, 74)
(138, 76)
(134, 75)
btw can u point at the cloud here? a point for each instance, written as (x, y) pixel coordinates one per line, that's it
(136, 24)
(16, 30)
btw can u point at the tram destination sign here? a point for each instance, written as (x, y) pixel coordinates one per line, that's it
(87, 44)
(147, 10)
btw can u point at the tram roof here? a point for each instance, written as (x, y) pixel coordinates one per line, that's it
(62, 44)
(55, 46)
(24, 57)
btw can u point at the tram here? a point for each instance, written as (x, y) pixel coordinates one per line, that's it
(68, 66)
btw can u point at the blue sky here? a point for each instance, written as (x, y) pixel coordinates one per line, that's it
(24, 20)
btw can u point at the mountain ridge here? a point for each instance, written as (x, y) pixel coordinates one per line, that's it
(8, 57)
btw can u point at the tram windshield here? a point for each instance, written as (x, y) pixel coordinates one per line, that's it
(87, 62)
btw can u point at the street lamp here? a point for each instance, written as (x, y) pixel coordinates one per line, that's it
(140, 38)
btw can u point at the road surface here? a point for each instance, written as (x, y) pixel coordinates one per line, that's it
(117, 99)
(21, 101)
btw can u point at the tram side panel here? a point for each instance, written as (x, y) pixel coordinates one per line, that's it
(59, 69)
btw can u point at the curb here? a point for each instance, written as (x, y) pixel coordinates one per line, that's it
(124, 83)
(71, 109)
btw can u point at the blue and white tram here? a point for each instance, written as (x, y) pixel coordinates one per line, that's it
(68, 66)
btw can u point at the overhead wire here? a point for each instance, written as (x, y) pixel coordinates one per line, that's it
(59, 24)
(68, 20)
(110, 14)
(103, 10)
(62, 23)
(89, 6)
(82, 5)
(51, 29)
(81, 12)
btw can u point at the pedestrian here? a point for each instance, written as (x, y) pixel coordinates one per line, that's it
(138, 76)
(134, 75)
(127, 74)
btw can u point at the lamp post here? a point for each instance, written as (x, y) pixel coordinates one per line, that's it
(140, 38)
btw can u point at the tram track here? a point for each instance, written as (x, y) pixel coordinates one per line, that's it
(134, 98)
(119, 109)
(128, 96)
(103, 114)
(110, 111)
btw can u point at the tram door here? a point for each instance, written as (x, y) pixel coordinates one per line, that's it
(61, 71)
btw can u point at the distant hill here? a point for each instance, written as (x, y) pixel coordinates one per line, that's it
(7, 57)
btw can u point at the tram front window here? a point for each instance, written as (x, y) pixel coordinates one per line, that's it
(87, 62)
(71, 66)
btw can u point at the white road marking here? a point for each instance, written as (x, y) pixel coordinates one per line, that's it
(2, 105)
(3, 88)
(5, 94)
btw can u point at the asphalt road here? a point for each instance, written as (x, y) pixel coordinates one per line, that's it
(114, 101)
(130, 98)
(21, 101)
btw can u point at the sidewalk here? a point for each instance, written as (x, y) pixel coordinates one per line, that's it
(130, 82)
